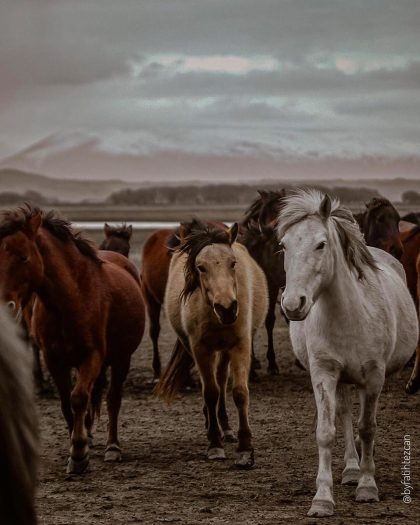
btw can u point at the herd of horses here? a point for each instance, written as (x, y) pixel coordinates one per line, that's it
(85, 307)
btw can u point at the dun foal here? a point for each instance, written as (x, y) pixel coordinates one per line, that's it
(352, 322)
(216, 298)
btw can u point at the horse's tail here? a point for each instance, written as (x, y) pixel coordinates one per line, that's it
(176, 374)
(97, 394)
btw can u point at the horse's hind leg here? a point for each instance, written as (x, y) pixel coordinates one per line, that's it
(366, 488)
(270, 320)
(240, 363)
(119, 373)
(222, 379)
(324, 385)
(153, 312)
(79, 398)
(351, 472)
(414, 382)
(206, 363)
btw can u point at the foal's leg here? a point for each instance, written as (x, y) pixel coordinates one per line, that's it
(153, 311)
(206, 363)
(270, 320)
(366, 488)
(351, 472)
(324, 385)
(240, 364)
(222, 379)
(79, 399)
(118, 376)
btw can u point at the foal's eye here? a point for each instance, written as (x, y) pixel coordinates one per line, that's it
(201, 268)
(321, 245)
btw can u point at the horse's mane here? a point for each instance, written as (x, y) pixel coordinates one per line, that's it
(265, 198)
(199, 235)
(378, 202)
(123, 231)
(304, 203)
(12, 221)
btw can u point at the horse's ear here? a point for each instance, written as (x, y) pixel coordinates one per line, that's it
(107, 230)
(182, 232)
(32, 225)
(263, 194)
(130, 231)
(233, 232)
(325, 208)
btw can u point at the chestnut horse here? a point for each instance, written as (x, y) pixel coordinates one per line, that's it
(18, 429)
(117, 239)
(88, 314)
(215, 300)
(411, 262)
(379, 224)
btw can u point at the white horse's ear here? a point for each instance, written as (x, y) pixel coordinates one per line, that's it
(325, 208)
(233, 232)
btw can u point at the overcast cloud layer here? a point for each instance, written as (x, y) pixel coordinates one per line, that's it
(253, 79)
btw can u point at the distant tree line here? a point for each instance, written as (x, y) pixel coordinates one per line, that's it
(411, 197)
(8, 198)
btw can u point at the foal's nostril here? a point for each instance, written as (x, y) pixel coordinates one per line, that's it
(302, 302)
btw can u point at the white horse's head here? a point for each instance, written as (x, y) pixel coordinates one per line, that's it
(312, 227)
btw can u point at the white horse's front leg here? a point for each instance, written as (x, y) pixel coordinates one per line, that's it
(324, 385)
(366, 488)
(351, 472)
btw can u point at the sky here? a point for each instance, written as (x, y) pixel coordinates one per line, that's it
(91, 86)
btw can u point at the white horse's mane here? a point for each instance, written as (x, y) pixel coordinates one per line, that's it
(304, 203)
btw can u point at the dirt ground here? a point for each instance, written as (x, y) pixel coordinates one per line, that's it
(165, 477)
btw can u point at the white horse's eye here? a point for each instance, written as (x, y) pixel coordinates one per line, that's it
(321, 245)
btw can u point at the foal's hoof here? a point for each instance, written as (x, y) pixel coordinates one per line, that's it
(229, 436)
(350, 476)
(413, 385)
(245, 460)
(113, 454)
(77, 466)
(321, 509)
(367, 494)
(216, 454)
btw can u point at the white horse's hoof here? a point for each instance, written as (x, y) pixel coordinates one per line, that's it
(350, 476)
(216, 454)
(321, 509)
(113, 454)
(77, 466)
(367, 494)
(229, 436)
(245, 460)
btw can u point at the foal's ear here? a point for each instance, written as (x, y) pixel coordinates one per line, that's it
(32, 225)
(233, 232)
(107, 230)
(325, 208)
(130, 231)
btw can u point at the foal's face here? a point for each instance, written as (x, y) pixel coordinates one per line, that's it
(308, 263)
(216, 267)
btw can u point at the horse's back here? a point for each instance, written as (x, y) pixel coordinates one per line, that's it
(18, 429)
(121, 261)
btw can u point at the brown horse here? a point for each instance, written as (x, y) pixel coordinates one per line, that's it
(117, 239)
(88, 314)
(411, 262)
(18, 429)
(216, 298)
(379, 225)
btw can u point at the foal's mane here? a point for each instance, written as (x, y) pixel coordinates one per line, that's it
(198, 237)
(309, 202)
(12, 221)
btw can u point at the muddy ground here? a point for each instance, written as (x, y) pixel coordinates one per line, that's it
(165, 477)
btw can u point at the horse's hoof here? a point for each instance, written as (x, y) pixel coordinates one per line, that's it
(77, 466)
(273, 370)
(245, 460)
(229, 436)
(367, 494)
(321, 509)
(350, 476)
(412, 386)
(113, 454)
(216, 454)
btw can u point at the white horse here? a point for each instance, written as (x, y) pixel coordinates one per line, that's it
(352, 322)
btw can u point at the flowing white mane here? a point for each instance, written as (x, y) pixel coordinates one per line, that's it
(310, 202)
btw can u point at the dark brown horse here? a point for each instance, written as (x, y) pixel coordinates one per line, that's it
(18, 429)
(88, 315)
(117, 239)
(379, 224)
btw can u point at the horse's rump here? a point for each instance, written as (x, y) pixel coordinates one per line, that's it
(121, 261)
